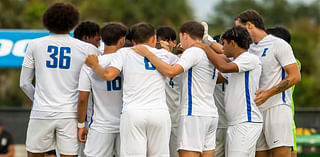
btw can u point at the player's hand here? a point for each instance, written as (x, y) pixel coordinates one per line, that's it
(141, 50)
(165, 45)
(82, 134)
(92, 60)
(180, 49)
(261, 97)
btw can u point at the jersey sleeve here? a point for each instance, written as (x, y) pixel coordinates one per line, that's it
(84, 79)
(117, 60)
(284, 53)
(28, 60)
(246, 62)
(168, 57)
(93, 50)
(189, 58)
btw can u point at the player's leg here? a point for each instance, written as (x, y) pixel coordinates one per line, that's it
(158, 133)
(242, 139)
(220, 142)
(40, 137)
(189, 139)
(279, 130)
(210, 137)
(133, 134)
(294, 148)
(186, 153)
(262, 146)
(66, 137)
(281, 152)
(99, 144)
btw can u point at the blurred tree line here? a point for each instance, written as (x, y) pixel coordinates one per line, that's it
(302, 20)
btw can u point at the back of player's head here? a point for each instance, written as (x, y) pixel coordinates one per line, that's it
(86, 28)
(112, 32)
(142, 32)
(280, 32)
(193, 28)
(60, 17)
(239, 35)
(251, 16)
(166, 33)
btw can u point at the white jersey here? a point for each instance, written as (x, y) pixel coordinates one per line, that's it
(198, 84)
(143, 85)
(274, 54)
(173, 94)
(107, 97)
(219, 92)
(57, 60)
(240, 93)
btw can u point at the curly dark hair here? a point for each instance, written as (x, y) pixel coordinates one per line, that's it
(60, 18)
(239, 35)
(86, 28)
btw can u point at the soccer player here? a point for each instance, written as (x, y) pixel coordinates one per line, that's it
(103, 138)
(284, 34)
(280, 72)
(56, 61)
(145, 120)
(89, 32)
(173, 87)
(243, 74)
(199, 116)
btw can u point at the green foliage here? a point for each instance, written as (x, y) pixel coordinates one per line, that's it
(302, 20)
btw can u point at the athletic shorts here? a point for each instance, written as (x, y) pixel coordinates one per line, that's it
(197, 133)
(242, 138)
(102, 144)
(277, 128)
(46, 134)
(220, 142)
(173, 142)
(145, 133)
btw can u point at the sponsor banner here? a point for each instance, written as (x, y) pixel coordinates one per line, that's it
(13, 46)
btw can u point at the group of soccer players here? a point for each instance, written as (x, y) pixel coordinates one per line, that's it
(139, 99)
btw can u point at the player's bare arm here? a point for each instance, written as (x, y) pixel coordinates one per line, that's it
(218, 61)
(163, 67)
(108, 74)
(221, 79)
(293, 77)
(82, 111)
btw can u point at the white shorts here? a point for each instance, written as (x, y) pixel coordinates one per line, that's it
(242, 139)
(277, 128)
(173, 142)
(102, 144)
(220, 142)
(48, 134)
(197, 133)
(145, 133)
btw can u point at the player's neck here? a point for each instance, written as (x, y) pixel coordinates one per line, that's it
(110, 49)
(192, 42)
(238, 52)
(258, 35)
